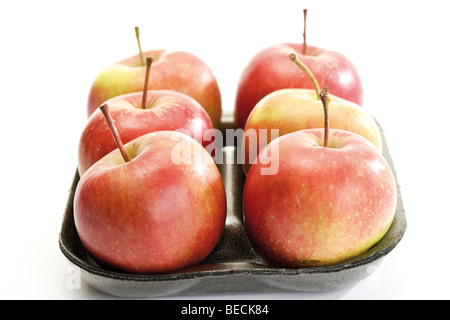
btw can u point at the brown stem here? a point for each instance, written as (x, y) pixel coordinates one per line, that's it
(308, 73)
(105, 110)
(141, 54)
(304, 31)
(325, 101)
(149, 61)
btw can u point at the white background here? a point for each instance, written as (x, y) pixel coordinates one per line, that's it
(52, 50)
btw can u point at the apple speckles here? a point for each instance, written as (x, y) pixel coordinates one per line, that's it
(161, 110)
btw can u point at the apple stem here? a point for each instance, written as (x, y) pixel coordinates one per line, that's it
(141, 54)
(325, 101)
(149, 61)
(308, 73)
(105, 110)
(305, 11)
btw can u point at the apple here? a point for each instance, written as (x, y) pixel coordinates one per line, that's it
(164, 110)
(325, 204)
(290, 110)
(172, 70)
(270, 70)
(143, 213)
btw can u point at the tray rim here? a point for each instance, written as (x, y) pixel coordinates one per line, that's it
(263, 270)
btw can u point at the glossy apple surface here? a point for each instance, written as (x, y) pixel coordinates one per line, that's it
(164, 110)
(290, 110)
(271, 70)
(171, 70)
(323, 205)
(151, 215)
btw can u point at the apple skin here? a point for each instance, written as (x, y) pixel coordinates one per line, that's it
(166, 110)
(271, 70)
(150, 215)
(290, 110)
(324, 205)
(170, 70)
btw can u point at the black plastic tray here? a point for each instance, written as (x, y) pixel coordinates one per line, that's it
(233, 266)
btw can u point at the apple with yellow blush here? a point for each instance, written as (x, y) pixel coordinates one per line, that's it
(171, 70)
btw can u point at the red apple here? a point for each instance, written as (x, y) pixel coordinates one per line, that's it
(324, 205)
(164, 110)
(148, 214)
(332, 197)
(271, 70)
(172, 70)
(290, 110)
